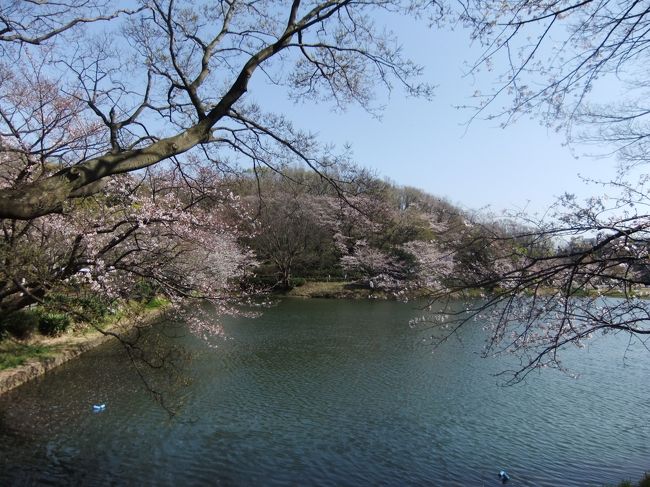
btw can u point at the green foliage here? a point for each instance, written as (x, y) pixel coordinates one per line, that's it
(297, 282)
(21, 324)
(91, 307)
(156, 302)
(94, 307)
(301, 223)
(53, 324)
(402, 234)
(24, 323)
(145, 291)
(13, 354)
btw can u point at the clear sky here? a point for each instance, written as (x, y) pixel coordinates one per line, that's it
(427, 144)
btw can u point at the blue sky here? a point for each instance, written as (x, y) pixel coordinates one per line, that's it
(428, 145)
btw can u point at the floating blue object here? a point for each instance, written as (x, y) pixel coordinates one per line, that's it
(503, 475)
(98, 408)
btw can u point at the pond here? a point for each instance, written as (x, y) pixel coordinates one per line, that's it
(333, 392)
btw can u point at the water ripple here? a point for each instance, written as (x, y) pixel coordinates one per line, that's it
(332, 393)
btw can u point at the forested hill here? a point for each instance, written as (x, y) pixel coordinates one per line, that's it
(208, 236)
(364, 230)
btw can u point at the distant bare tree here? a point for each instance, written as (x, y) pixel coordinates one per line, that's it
(548, 284)
(556, 55)
(37, 21)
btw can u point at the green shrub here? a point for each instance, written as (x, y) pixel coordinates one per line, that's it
(145, 291)
(297, 282)
(157, 302)
(21, 324)
(91, 307)
(94, 307)
(53, 324)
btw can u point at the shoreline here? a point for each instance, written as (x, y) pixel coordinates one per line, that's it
(68, 347)
(347, 290)
(65, 348)
(331, 290)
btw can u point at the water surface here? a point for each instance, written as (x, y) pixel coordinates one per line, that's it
(340, 393)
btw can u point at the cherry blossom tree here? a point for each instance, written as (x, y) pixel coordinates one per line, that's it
(396, 247)
(168, 79)
(547, 284)
(174, 227)
(174, 230)
(434, 264)
(179, 240)
(135, 231)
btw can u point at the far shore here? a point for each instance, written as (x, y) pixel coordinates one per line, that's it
(333, 290)
(350, 290)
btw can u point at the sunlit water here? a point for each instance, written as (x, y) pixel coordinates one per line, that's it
(334, 393)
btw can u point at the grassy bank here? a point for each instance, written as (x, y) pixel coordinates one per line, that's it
(24, 359)
(335, 290)
(349, 290)
(14, 353)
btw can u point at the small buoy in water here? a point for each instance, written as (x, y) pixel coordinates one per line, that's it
(503, 475)
(98, 408)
